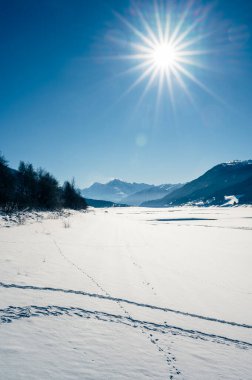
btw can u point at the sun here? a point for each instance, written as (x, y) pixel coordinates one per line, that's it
(164, 56)
(166, 49)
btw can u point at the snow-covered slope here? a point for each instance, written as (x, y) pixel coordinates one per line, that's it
(227, 179)
(127, 293)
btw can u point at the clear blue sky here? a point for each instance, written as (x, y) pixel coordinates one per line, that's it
(61, 103)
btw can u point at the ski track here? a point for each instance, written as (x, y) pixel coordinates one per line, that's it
(123, 300)
(12, 313)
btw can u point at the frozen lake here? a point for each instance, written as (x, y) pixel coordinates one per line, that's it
(128, 293)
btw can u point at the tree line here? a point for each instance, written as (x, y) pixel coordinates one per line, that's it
(35, 189)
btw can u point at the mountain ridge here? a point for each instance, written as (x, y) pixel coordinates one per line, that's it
(152, 193)
(211, 187)
(113, 191)
(133, 194)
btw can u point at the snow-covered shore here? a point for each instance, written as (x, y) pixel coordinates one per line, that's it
(127, 293)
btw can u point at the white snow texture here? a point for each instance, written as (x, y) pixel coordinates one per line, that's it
(127, 293)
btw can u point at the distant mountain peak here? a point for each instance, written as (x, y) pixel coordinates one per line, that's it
(116, 182)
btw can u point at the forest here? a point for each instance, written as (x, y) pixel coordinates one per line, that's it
(29, 188)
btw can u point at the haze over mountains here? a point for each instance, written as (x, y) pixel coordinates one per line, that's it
(149, 194)
(226, 183)
(132, 194)
(113, 191)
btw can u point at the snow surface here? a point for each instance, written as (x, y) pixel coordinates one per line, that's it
(127, 293)
(231, 200)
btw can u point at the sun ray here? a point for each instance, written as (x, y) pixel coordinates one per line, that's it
(181, 37)
(141, 48)
(145, 74)
(158, 22)
(168, 48)
(192, 77)
(148, 28)
(160, 86)
(192, 62)
(170, 88)
(195, 52)
(129, 57)
(193, 41)
(136, 31)
(167, 29)
(180, 23)
(184, 87)
(136, 68)
(148, 86)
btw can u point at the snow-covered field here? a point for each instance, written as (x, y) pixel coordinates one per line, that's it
(127, 293)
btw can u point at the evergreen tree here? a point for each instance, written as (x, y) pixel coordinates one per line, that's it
(6, 182)
(72, 198)
(48, 196)
(28, 185)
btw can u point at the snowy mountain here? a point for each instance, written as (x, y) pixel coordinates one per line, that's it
(113, 191)
(226, 179)
(132, 194)
(152, 193)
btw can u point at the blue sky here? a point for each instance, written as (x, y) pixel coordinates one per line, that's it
(63, 105)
